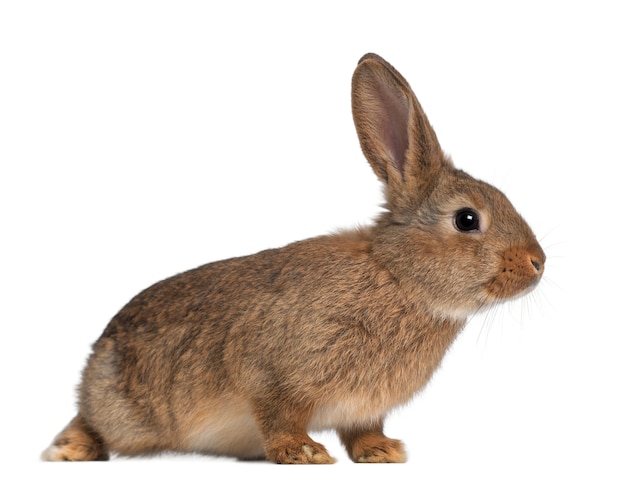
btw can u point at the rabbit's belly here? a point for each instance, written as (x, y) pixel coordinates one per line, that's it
(345, 414)
(228, 430)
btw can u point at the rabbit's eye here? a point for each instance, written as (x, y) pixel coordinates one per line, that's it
(466, 220)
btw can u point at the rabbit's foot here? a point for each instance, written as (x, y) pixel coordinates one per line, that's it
(298, 450)
(77, 442)
(73, 451)
(384, 451)
(372, 447)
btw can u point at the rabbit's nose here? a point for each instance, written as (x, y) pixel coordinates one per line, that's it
(537, 260)
(536, 257)
(538, 266)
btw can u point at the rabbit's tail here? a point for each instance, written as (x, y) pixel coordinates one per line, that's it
(77, 442)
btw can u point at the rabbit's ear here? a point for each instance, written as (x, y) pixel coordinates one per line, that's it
(394, 132)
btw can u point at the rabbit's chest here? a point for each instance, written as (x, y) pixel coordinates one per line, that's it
(368, 398)
(367, 388)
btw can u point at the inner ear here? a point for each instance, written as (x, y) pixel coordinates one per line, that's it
(392, 122)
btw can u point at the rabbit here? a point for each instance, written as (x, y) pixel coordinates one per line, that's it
(245, 357)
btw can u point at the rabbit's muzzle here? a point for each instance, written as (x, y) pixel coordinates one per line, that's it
(520, 270)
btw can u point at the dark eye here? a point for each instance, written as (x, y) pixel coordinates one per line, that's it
(466, 220)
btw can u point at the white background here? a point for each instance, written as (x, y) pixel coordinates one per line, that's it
(140, 139)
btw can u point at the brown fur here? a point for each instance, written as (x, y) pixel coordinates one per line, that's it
(244, 357)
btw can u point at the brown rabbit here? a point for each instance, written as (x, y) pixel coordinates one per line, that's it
(245, 356)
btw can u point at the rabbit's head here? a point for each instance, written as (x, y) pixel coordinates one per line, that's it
(455, 241)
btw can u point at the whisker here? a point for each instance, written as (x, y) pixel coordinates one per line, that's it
(480, 310)
(489, 311)
(547, 234)
(527, 306)
(484, 325)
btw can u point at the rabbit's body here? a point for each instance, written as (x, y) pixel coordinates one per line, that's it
(243, 357)
(182, 365)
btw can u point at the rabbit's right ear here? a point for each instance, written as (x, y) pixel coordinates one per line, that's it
(395, 135)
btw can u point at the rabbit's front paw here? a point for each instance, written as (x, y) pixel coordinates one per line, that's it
(372, 446)
(385, 450)
(294, 450)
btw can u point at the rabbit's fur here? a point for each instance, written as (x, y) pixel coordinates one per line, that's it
(245, 356)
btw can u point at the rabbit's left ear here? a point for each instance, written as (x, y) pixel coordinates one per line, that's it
(395, 135)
